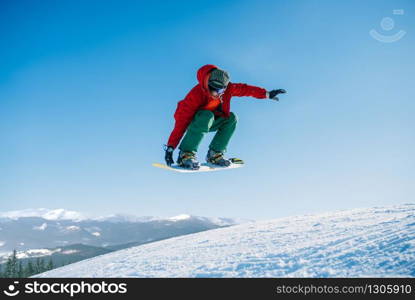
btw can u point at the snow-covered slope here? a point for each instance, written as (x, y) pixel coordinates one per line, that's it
(377, 242)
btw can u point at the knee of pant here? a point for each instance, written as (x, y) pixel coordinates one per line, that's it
(206, 114)
(233, 117)
(205, 119)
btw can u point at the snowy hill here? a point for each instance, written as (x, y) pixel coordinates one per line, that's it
(376, 242)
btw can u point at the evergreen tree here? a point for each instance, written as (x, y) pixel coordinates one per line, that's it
(7, 270)
(50, 265)
(37, 266)
(20, 270)
(11, 266)
(40, 265)
(15, 263)
(30, 270)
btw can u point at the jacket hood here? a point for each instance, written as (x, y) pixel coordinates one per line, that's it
(203, 75)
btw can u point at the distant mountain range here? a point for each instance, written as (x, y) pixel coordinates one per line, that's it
(72, 235)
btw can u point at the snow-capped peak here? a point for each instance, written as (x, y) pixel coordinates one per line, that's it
(45, 213)
(180, 217)
(41, 227)
(117, 218)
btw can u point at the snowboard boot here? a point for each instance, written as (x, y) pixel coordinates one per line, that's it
(188, 160)
(216, 158)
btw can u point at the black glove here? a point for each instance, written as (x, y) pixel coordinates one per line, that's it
(273, 94)
(169, 155)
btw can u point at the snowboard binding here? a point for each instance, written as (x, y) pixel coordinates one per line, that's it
(216, 158)
(188, 160)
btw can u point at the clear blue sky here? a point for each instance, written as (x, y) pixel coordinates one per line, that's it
(88, 90)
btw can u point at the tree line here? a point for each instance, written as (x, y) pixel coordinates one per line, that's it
(14, 267)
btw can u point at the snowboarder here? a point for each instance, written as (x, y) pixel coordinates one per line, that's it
(206, 108)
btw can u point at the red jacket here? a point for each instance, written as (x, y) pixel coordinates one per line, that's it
(199, 96)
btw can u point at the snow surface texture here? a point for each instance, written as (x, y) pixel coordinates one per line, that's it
(376, 242)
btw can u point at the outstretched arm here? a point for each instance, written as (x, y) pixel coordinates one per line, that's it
(245, 90)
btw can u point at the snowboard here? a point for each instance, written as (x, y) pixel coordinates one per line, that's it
(204, 167)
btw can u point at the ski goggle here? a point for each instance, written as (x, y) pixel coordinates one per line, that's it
(219, 91)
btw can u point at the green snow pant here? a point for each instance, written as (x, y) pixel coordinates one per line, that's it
(203, 122)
